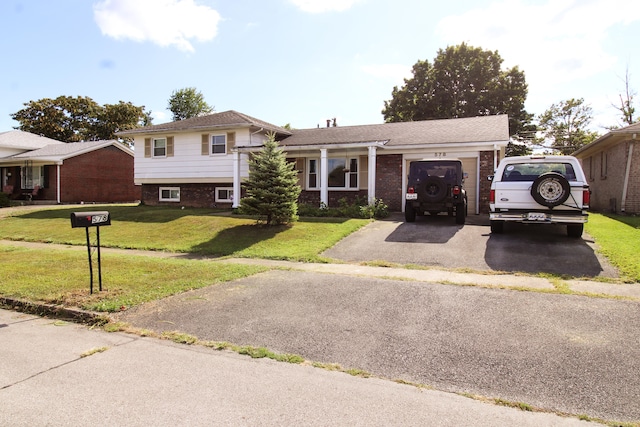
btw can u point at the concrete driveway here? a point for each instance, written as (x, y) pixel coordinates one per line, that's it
(439, 242)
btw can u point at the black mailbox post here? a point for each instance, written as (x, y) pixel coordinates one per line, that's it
(86, 220)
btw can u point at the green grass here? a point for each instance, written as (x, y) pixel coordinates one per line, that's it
(62, 277)
(197, 231)
(618, 238)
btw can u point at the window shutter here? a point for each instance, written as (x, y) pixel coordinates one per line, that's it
(147, 147)
(169, 146)
(205, 144)
(231, 139)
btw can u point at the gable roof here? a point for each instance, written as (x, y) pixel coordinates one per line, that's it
(609, 139)
(24, 140)
(402, 134)
(226, 119)
(60, 152)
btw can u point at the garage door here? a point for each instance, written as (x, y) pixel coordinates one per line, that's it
(470, 167)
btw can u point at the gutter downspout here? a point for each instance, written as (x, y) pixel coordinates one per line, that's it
(625, 186)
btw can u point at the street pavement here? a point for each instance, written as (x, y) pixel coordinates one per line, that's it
(127, 380)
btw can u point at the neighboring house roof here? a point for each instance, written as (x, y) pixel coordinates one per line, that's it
(609, 139)
(24, 140)
(400, 134)
(60, 152)
(226, 119)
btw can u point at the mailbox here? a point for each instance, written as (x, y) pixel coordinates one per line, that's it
(90, 219)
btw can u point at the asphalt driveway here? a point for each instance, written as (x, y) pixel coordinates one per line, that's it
(564, 353)
(439, 242)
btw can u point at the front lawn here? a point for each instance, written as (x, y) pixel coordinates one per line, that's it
(197, 231)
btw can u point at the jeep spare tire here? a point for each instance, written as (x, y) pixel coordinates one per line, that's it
(550, 189)
(433, 189)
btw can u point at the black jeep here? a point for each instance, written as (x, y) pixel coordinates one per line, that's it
(435, 186)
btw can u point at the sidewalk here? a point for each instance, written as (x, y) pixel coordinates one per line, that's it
(132, 381)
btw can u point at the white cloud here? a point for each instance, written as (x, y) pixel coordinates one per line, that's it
(320, 6)
(554, 42)
(163, 22)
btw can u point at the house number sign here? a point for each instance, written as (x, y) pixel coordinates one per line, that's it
(441, 154)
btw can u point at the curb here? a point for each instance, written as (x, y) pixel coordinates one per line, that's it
(50, 310)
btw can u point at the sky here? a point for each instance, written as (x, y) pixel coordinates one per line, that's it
(301, 62)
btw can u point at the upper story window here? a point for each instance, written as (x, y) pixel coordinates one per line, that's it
(159, 147)
(218, 144)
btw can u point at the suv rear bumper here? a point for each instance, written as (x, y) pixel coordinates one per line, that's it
(554, 217)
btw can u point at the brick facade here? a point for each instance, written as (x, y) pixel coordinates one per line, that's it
(389, 180)
(192, 195)
(104, 175)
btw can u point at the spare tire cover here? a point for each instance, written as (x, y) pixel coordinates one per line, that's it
(550, 189)
(433, 189)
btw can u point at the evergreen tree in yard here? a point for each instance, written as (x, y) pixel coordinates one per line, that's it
(272, 189)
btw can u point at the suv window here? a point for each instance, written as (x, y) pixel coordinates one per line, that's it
(448, 171)
(530, 171)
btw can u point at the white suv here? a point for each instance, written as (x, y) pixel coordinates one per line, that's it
(539, 190)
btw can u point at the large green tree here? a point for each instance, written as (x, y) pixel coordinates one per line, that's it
(272, 188)
(188, 102)
(564, 126)
(73, 119)
(463, 81)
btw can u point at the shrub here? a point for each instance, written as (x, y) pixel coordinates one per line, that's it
(4, 200)
(358, 209)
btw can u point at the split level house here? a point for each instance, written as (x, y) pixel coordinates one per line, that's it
(37, 168)
(612, 166)
(202, 161)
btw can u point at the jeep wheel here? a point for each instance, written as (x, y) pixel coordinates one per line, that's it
(433, 189)
(497, 227)
(550, 189)
(409, 213)
(575, 230)
(461, 213)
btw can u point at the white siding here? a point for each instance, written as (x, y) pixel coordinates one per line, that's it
(187, 163)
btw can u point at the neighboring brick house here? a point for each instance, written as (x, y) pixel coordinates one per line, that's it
(612, 166)
(202, 161)
(95, 171)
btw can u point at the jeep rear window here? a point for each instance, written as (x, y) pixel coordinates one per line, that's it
(419, 171)
(530, 171)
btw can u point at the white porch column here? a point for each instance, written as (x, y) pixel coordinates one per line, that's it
(324, 177)
(58, 183)
(371, 184)
(236, 179)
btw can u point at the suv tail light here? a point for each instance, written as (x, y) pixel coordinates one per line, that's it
(586, 197)
(456, 190)
(492, 196)
(411, 190)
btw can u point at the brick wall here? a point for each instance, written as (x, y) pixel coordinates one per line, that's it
(486, 169)
(192, 195)
(389, 180)
(104, 175)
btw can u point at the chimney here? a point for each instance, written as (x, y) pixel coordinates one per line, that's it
(335, 122)
(328, 122)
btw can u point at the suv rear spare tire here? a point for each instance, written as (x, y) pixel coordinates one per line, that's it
(550, 189)
(434, 189)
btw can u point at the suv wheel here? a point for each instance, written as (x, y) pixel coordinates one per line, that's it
(550, 189)
(461, 213)
(409, 213)
(434, 189)
(575, 230)
(497, 227)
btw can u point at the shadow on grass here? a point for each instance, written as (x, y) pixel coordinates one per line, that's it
(236, 239)
(148, 214)
(630, 220)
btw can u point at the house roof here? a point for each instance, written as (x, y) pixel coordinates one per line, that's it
(59, 152)
(609, 139)
(401, 134)
(24, 140)
(226, 119)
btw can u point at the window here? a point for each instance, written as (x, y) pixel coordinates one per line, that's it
(32, 176)
(218, 144)
(343, 173)
(159, 147)
(169, 194)
(313, 173)
(224, 194)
